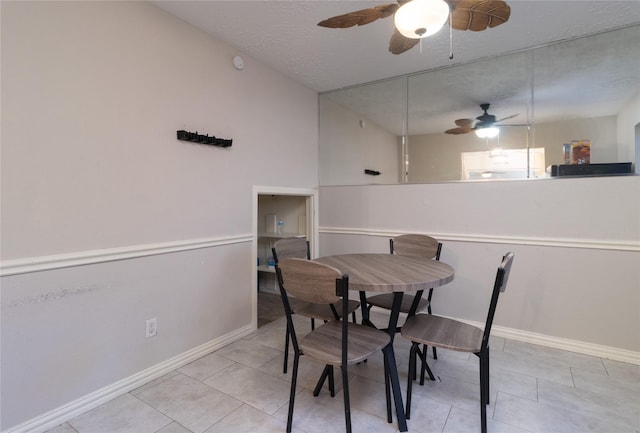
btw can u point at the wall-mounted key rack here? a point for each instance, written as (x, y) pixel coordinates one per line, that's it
(194, 137)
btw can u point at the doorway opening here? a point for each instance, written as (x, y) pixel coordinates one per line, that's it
(278, 213)
(503, 164)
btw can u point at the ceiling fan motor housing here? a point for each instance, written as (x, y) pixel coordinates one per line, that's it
(485, 119)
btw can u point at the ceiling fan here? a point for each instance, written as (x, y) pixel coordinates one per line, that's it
(485, 120)
(474, 15)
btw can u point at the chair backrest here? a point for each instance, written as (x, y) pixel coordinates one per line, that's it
(421, 246)
(312, 282)
(288, 248)
(416, 245)
(500, 285)
(309, 281)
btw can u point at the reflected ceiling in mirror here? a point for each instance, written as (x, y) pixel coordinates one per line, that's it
(439, 98)
(562, 84)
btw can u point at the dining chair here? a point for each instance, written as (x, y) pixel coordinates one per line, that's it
(452, 334)
(292, 247)
(415, 245)
(336, 342)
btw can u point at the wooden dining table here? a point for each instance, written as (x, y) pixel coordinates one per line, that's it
(386, 273)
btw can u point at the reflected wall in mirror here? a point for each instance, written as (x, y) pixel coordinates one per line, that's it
(582, 89)
(360, 129)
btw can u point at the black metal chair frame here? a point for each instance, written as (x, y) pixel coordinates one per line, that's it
(413, 311)
(499, 286)
(313, 326)
(342, 290)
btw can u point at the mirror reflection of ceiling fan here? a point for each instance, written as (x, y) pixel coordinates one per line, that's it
(417, 19)
(484, 125)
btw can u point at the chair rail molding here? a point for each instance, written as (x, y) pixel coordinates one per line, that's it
(80, 258)
(598, 244)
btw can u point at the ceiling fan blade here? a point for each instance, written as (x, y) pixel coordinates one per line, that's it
(508, 117)
(464, 127)
(360, 18)
(459, 130)
(477, 15)
(464, 122)
(399, 44)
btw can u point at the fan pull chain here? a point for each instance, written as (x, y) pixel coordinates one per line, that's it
(450, 35)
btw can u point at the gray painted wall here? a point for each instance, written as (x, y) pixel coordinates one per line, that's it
(575, 279)
(143, 225)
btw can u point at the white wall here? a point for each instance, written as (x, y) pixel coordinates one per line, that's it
(575, 281)
(437, 157)
(351, 144)
(601, 131)
(627, 119)
(107, 219)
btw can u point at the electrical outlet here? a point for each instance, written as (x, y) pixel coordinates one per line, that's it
(152, 328)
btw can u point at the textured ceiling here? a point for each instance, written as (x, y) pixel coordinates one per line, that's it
(591, 76)
(284, 35)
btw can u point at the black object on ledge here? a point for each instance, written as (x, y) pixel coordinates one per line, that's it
(372, 172)
(601, 169)
(204, 139)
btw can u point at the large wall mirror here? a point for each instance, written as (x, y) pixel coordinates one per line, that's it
(584, 93)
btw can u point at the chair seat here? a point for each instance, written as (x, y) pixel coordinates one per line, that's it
(442, 332)
(323, 311)
(324, 344)
(386, 301)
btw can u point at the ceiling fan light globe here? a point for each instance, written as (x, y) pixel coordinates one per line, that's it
(490, 132)
(418, 19)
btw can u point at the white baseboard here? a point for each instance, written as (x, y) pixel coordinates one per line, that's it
(70, 410)
(582, 347)
(601, 351)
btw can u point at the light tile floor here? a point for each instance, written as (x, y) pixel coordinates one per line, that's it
(241, 388)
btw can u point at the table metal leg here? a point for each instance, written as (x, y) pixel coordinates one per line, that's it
(397, 394)
(395, 313)
(389, 354)
(365, 310)
(393, 368)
